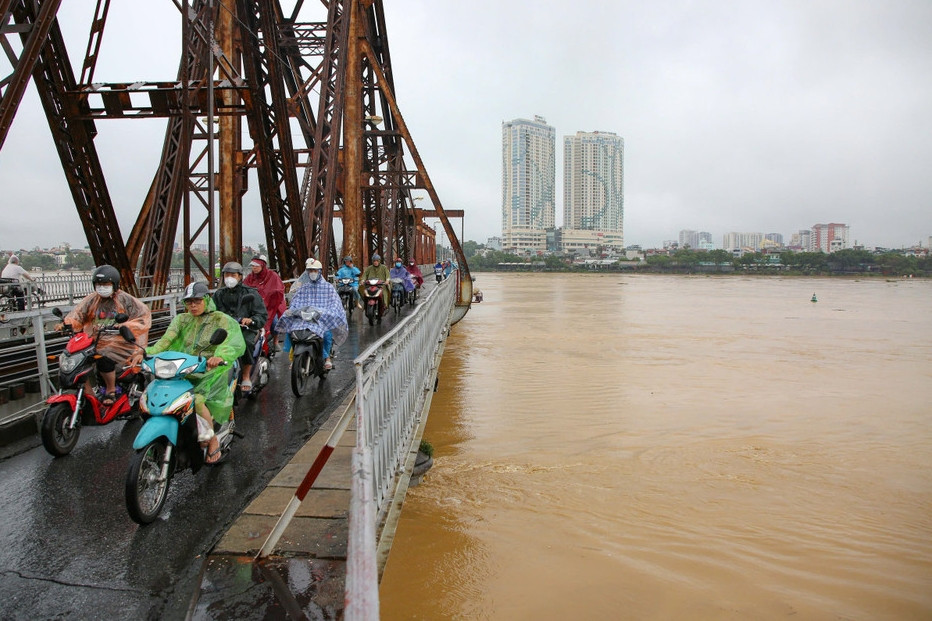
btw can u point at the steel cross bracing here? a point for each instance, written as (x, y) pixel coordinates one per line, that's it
(316, 96)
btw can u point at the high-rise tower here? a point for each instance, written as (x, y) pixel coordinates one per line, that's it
(528, 179)
(593, 190)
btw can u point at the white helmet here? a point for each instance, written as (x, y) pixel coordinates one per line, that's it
(313, 264)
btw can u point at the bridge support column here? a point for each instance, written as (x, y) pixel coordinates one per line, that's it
(352, 143)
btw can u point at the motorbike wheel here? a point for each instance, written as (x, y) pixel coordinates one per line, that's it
(57, 438)
(370, 313)
(301, 373)
(412, 297)
(145, 494)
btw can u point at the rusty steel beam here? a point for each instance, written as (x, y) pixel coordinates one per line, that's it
(33, 29)
(429, 186)
(154, 233)
(74, 141)
(268, 69)
(268, 118)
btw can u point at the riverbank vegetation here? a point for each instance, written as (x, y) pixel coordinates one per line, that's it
(687, 261)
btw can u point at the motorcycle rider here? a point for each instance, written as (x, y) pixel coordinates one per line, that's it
(399, 271)
(244, 304)
(320, 294)
(348, 270)
(416, 274)
(272, 289)
(14, 271)
(190, 332)
(438, 270)
(377, 271)
(100, 307)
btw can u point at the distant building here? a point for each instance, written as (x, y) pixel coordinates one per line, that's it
(528, 182)
(593, 191)
(775, 239)
(800, 240)
(742, 241)
(555, 240)
(696, 239)
(828, 237)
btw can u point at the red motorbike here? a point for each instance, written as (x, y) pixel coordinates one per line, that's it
(74, 405)
(375, 304)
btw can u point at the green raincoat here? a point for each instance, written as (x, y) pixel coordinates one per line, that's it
(191, 335)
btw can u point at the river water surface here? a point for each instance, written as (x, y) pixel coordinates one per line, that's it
(673, 447)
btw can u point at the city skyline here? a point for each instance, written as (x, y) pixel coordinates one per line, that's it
(750, 117)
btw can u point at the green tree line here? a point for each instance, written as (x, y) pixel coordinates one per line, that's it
(686, 260)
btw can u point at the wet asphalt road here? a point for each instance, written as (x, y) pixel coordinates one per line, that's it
(68, 548)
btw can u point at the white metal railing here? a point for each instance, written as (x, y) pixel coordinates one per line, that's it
(38, 318)
(392, 381)
(66, 288)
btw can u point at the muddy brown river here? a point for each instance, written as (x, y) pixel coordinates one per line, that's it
(674, 447)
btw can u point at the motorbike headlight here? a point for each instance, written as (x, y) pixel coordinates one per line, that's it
(68, 363)
(166, 369)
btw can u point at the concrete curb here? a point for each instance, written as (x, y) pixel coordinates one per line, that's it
(305, 576)
(20, 434)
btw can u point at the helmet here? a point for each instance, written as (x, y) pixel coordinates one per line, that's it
(348, 259)
(397, 259)
(106, 273)
(196, 290)
(312, 264)
(376, 257)
(232, 268)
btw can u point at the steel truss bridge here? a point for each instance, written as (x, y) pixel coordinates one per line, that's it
(323, 132)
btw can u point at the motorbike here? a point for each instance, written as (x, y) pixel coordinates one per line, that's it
(261, 366)
(438, 273)
(345, 289)
(73, 405)
(14, 298)
(373, 297)
(398, 294)
(167, 442)
(307, 349)
(412, 295)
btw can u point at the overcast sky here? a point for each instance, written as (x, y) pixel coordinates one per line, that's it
(744, 115)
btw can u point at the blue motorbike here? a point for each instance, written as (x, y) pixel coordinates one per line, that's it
(168, 440)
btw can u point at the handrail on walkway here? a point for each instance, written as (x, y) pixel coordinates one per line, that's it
(37, 317)
(392, 384)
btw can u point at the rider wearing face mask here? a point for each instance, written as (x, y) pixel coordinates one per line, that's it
(320, 294)
(401, 272)
(377, 271)
(244, 304)
(99, 309)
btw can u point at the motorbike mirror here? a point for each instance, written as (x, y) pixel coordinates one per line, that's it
(127, 334)
(219, 336)
(120, 318)
(57, 312)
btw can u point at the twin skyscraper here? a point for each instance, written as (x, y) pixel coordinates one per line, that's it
(593, 189)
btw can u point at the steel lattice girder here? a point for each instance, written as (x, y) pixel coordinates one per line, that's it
(275, 83)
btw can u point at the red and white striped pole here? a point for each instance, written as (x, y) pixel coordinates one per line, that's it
(269, 546)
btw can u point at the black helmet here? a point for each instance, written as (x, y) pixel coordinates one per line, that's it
(106, 273)
(232, 268)
(196, 290)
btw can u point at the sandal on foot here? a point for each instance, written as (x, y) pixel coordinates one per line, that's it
(108, 399)
(213, 457)
(246, 386)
